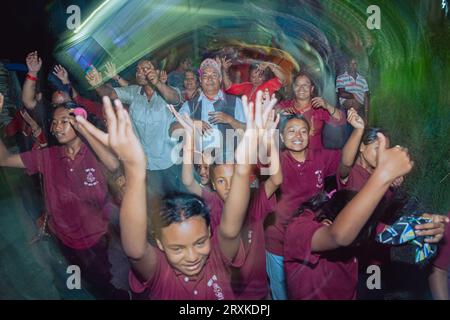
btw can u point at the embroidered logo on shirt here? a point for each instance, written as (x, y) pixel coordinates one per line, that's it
(217, 289)
(90, 178)
(319, 175)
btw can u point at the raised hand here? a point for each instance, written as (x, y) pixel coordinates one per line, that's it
(354, 119)
(29, 120)
(393, 162)
(163, 76)
(61, 73)
(318, 102)
(111, 71)
(153, 76)
(34, 63)
(120, 137)
(225, 63)
(94, 77)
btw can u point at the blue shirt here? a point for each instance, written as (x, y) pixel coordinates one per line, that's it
(151, 121)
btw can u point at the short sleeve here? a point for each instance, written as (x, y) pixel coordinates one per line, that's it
(366, 86)
(34, 160)
(139, 286)
(340, 82)
(298, 240)
(126, 94)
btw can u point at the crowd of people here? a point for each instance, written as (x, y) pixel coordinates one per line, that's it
(220, 190)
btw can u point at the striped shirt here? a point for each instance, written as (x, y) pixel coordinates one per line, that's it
(356, 86)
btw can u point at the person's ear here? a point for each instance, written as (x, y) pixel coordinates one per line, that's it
(159, 244)
(281, 138)
(362, 147)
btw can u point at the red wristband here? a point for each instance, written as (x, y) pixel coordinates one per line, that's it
(30, 77)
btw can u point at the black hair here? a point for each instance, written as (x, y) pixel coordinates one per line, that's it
(178, 207)
(370, 135)
(315, 92)
(325, 207)
(284, 119)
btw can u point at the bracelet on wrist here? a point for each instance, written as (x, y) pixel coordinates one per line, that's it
(31, 77)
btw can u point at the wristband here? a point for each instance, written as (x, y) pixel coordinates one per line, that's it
(30, 77)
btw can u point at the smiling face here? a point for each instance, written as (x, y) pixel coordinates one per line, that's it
(210, 81)
(190, 80)
(303, 88)
(61, 126)
(186, 245)
(141, 72)
(221, 179)
(295, 135)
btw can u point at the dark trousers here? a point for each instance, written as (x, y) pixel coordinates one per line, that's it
(96, 269)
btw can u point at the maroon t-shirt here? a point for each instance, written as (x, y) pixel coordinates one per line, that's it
(301, 181)
(442, 260)
(76, 194)
(251, 283)
(316, 119)
(375, 253)
(316, 276)
(93, 107)
(212, 283)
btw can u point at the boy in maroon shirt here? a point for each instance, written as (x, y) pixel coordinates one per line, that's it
(315, 268)
(252, 282)
(187, 263)
(76, 197)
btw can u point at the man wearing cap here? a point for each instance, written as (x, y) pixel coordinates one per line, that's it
(217, 111)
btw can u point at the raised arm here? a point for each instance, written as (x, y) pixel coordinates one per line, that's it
(351, 147)
(225, 65)
(187, 173)
(236, 204)
(133, 212)
(169, 94)
(392, 163)
(335, 113)
(61, 73)
(277, 71)
(7, 159)
(106, 156)
(269, 143)
(111, 72)
(34, 64)
(95, 79)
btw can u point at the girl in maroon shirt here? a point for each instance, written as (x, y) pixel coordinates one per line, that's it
(315, 269)
(186, 263)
